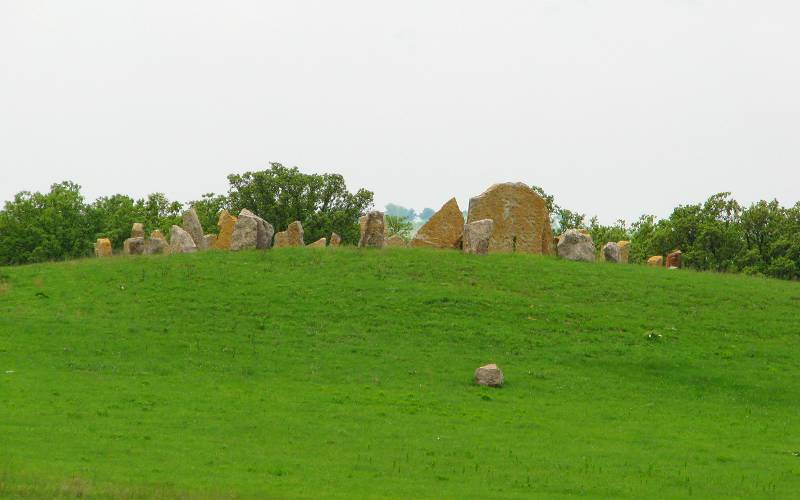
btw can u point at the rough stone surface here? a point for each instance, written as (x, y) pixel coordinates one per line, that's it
(320, 243)
(612, 252)
(292, 237)
(624, 251)
(443, 230)
(576, 245)
(373, 234)
(281, 239)
(521, 220)
(191, 224)
(211, 240)
(477, 236)
(675, 260)
(180, 241)
(226, 225)
(137, 231)
(157, 235)
(133, 246)
(395, 241)
(155, 246)
(362, 223)
(103, 248)
(656, 261)
(336, 240)
(489, 375)
(251, 232)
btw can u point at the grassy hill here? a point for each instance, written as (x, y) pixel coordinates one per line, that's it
(346, 373)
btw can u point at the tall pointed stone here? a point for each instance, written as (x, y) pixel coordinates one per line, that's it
(191, 224)
(373, 233)
(444, 229)
(226, 225)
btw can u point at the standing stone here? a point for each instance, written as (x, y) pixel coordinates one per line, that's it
(137, 231)
(576, 245)
(624, 251)
(477, 236)
(180, 241)
(320, 243)
(489, 375)
(443, 230)
(373, 234)
(155, 246)
(102, 248)
(336, 240)
(281, 239)
(521, 220)
(362, 224)
(251, 232)
(157, 235)
(675, 260)
(211, 240)
(191, 224)
(133, 246)
(612, 252)
(292, 237)
(226, 225)
(656, 261)
(395, 241)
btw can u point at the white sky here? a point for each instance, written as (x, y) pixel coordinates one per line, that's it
(616, 107)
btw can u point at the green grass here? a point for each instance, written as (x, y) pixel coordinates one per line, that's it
(346, 373)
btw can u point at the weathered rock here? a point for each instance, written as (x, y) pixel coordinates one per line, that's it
(521, 220)
(157, 235)
(373, 234)
(180, 241)
(395, 241)
(362, 223)
(576, 245)
(191, 224)
(155, 246)
(675, 260)
(102, 248)
(133, 246)
(624, 251)
(211, 240)
(251, 232)
(336, 240)
(226, 225)
(612, 252)
(443, 230)
(489, 375)
(137, 231)
(656, 261)
(320, 243)
(292, 237)
(477, 236)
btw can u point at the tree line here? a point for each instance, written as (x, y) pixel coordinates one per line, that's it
(61, 224)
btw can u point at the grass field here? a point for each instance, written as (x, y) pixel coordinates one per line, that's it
(346, 373)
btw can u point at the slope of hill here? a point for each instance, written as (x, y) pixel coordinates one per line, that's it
(346, 373)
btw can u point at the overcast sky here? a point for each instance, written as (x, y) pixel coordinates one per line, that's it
(618, 108)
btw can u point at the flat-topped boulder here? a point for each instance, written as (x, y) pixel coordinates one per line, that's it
(576, 244)
(521, 219)
(103, 248)
(180, 241)
(133, 246)
(137, 231)
(226, 224)
(156, 244)
(251, 232)
(444, 229)
(191, 224)
(477, 235)
(489, 375)
(373, 233)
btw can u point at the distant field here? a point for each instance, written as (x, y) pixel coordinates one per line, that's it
(347, 373)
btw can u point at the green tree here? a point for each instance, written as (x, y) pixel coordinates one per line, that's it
(399, 225)
(400, 211)
(208, 209)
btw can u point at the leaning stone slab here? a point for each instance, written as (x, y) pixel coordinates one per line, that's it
(489, 375)
(251, 232)
(191, 224)
(180, 241)
(443, 230)
(133, 246)
(396, 241)
(373, 234)
(102, 248)
(612, 253)
(226, 225)
(320, 243)
(521, 219)
(477, 236)
(576, 245)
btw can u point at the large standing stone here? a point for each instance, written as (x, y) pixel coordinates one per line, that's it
(521, 220)
(251, 232)
(612, 252)
(576, 245)
(133, 246)
(443, 230)
(320, 243)
(624, 251)
(656, 261)
(292, 237)
(489, 375)
(191, 224)
(211, 240)
(675, 260)
(155, 246)
(137, 231)
(336, 240)
(226, 225)
(103, 248)
(477, 236)
(396, 241)
(157, 235)
(180, 241)
(373, 234)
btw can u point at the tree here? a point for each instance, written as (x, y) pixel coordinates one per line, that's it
(282, 195)
(400, 211)
(398, 225)
(208, 209)
(113, 217)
